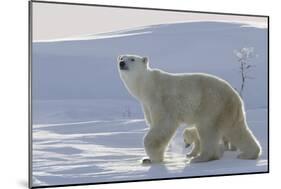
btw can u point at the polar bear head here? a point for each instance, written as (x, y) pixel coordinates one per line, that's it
(132, 70)
(129, 64)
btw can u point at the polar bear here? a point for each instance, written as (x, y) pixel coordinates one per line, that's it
(207, 102)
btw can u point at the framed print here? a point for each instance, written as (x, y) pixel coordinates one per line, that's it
(122, 94)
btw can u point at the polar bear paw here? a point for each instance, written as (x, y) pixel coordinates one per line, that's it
(248, 156)
(146, 161)
(198, 159)
(204, 158)
(191, 155)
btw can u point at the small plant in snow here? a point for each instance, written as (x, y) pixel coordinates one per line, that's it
(244, 55)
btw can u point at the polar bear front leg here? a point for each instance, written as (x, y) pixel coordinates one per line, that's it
(191, 137)
(147, 115)
(210, 146)
(196, 149)
(156, 142)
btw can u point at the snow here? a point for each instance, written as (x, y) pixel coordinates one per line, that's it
(112, 149)
(75, 69)
(88, 129)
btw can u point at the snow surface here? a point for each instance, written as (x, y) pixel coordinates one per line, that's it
(88, 129)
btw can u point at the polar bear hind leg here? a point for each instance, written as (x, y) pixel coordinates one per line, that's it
(228, 146)
(242, 137)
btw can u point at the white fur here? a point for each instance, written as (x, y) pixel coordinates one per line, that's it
(204, 101)
(191, 137)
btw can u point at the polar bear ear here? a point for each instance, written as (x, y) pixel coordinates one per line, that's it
(145, 60)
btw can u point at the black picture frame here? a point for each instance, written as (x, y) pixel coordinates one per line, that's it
(30, 50)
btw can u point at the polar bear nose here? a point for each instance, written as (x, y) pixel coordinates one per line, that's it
(122, 64)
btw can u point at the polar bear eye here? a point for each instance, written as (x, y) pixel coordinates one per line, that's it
(132, 59)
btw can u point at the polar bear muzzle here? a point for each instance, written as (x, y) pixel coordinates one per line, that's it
(123, 65)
